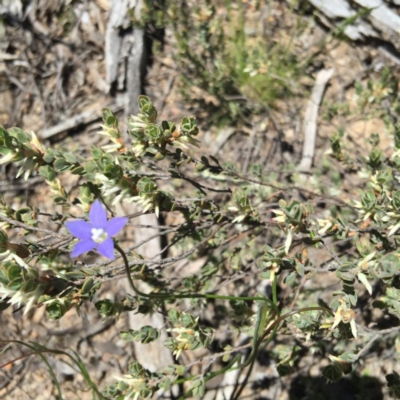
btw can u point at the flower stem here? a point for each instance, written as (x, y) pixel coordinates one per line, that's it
(173, 296)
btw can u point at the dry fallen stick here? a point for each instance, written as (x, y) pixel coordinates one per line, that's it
(382, 17)
(380, 22)
(310, 119)
(113, 38)
(81, 119)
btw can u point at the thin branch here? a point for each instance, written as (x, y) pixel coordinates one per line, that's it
(31, 228)
(292, 187)
(369, 344)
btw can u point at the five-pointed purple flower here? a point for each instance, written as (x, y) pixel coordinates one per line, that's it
(97, 232)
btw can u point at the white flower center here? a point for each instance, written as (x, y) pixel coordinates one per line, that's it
(99, 235)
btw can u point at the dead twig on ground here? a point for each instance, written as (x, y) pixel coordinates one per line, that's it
(84, 118)
(310, 119)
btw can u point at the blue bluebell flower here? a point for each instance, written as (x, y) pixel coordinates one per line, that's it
(97, 233)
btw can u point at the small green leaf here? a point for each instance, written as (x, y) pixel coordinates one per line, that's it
(48, 157)
(332, 372)
(47, 172)
(290, 278)
(60, 164)
(70, 158)
(87, 286)
(90, 166)
(77, 171)
(180, 370)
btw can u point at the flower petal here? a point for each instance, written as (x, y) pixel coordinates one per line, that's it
(83, 247)
(106, 248)
(98, 215)
(80, 229)
(114, 225)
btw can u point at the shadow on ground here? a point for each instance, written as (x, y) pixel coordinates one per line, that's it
(354, 387)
